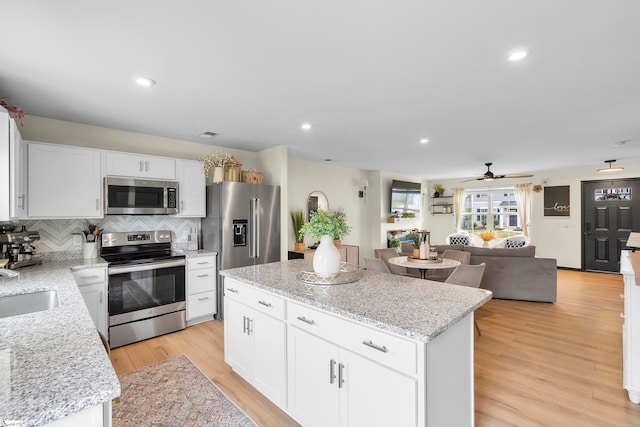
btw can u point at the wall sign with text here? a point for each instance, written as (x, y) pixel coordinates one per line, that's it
(556, 201)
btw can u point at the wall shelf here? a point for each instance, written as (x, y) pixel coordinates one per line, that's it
(442, 205)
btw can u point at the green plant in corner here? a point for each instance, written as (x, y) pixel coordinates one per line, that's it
(297, 218)
(395, 243)
(326, 223)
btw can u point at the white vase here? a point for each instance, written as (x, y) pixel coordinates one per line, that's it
(218, 174)
(326, 259)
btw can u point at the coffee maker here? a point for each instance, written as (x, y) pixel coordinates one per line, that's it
(16, 246)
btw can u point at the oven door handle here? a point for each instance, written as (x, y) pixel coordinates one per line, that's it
(145, 267)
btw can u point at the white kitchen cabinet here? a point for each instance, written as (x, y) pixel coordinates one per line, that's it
(332, 386)
(12, 177)
(95, 416)
(92, 283)
(255, 339)
(630, 329)
(202, 276)
(192, 190)
(63, 182)
(139, 166)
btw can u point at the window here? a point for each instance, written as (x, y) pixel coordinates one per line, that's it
(491, 210)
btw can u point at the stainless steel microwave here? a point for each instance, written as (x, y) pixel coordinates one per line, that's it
(127, 196)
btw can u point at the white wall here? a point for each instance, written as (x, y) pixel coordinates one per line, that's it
(554, 237)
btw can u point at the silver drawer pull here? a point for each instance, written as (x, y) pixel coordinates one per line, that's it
(203, 263)
(305, 320)
(203, 275)
(235, 291)
(266, 304)
(369, 343)
(203, 299)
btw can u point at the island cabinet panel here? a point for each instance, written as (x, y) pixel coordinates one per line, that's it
(255, 339)
(331, 386)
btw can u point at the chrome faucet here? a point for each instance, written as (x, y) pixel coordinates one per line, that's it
(9, 273)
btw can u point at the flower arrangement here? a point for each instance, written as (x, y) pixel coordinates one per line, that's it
(214, 160)
(438, 188)
(487, 236)
(326, 223)
(297, 218)
(17, 113)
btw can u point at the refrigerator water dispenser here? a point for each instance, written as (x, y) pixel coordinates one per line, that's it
(240, 232)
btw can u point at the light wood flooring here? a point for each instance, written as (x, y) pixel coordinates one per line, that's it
(536, 364)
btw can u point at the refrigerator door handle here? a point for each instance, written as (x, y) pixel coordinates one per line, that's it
(255, 228)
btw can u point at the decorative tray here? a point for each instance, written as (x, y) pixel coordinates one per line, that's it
(348, 273)
(424, 261)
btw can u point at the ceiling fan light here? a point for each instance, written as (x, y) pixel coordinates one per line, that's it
(610, 169)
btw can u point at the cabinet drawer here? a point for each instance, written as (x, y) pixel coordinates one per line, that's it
(201, 304)
(88, 276)
(201, 280)
(201, 262)
(390, 350)
(262, 301)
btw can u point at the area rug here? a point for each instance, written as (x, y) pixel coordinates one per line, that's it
(175, 393)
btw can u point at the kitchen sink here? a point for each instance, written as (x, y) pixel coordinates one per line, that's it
(14, 305)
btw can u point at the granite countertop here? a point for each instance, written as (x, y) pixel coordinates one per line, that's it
(414, 308)
(52, 363)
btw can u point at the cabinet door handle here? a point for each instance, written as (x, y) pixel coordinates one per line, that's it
(203, 275)
(305, 320)
(181, 204)
(21, 204)
(146, 166)
(332, 373)
(244, 324)
(141, 166)
(97, 204)
(235, 291)
(340, 375)
(377, 347)
(100, 297)
(249, 330)
(266, 304)
(203, 299)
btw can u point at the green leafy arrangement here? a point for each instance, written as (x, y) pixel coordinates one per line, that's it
(323, 222)
(297, 218)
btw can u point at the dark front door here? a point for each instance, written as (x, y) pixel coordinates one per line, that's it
(610, 211)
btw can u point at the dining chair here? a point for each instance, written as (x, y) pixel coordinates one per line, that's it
(385, 253)
(468, 275)
(376, 264)
(440, 275)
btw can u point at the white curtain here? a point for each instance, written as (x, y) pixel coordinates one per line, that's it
(523, 199)
(458, 202)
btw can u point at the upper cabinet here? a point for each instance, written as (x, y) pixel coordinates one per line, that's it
(140, 166)
(192, 184)
(64, 182)
(12, 200)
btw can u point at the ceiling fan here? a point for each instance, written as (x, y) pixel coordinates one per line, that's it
(489, 176)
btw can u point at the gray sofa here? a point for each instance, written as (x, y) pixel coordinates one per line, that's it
(514, 273)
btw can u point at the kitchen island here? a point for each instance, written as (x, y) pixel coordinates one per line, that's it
(53, 365)
(385, 350)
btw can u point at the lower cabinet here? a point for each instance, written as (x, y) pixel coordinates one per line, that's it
(201, 289)
(92, 283)
(332, 386)
(630, 329)
(255, 342)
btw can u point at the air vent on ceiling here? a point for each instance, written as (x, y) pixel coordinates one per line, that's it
(207, 134)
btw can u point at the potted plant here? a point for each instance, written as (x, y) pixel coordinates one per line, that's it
(395, 244)
(326, 226)
(297, 218)
(438, 190)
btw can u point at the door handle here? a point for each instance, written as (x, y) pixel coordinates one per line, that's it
(332, 374)
(587, 229)
(244, 324)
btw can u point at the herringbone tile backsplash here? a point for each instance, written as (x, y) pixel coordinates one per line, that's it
(56, 235)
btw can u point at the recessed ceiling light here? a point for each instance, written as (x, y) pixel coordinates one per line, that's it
(306, 126)
(619, 144)
(518, 54)
(145, 81)
(424, 141)
(207, 134)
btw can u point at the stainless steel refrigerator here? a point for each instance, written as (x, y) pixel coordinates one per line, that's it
(242, 225)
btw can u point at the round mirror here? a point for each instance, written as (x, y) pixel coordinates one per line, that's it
(316, 200)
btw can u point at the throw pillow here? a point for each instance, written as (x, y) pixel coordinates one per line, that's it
(459, 239)
(515, 243)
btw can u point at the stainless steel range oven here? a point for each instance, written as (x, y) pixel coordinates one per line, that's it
(146, 286)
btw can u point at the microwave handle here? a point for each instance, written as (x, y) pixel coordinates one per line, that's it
(254, 229)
